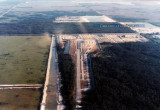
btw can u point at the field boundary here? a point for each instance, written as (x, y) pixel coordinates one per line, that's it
(21, 86)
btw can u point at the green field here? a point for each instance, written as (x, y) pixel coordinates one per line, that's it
(23, 59)
(19, 99)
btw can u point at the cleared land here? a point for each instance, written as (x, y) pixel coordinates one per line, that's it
(83, 19)
(23, 59)
(19, 99)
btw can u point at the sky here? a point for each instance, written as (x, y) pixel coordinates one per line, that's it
(106, 0)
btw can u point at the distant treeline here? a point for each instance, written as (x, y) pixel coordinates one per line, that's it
(61, 28)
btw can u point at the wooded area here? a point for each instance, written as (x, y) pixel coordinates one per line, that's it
(60, 28)
(126, 77)
(67, 70)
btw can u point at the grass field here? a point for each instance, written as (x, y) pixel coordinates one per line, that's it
(23, 59)
(19, 99)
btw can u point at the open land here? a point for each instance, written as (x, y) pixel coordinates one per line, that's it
(20, 99)
(23, 59)
(132, 12)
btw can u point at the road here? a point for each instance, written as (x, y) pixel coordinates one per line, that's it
(49, 101)
(78, 92)
(2, 15)
(79, 72)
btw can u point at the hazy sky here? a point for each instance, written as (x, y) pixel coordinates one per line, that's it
(82, 0)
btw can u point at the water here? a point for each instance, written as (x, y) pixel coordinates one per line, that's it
(67, 47)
